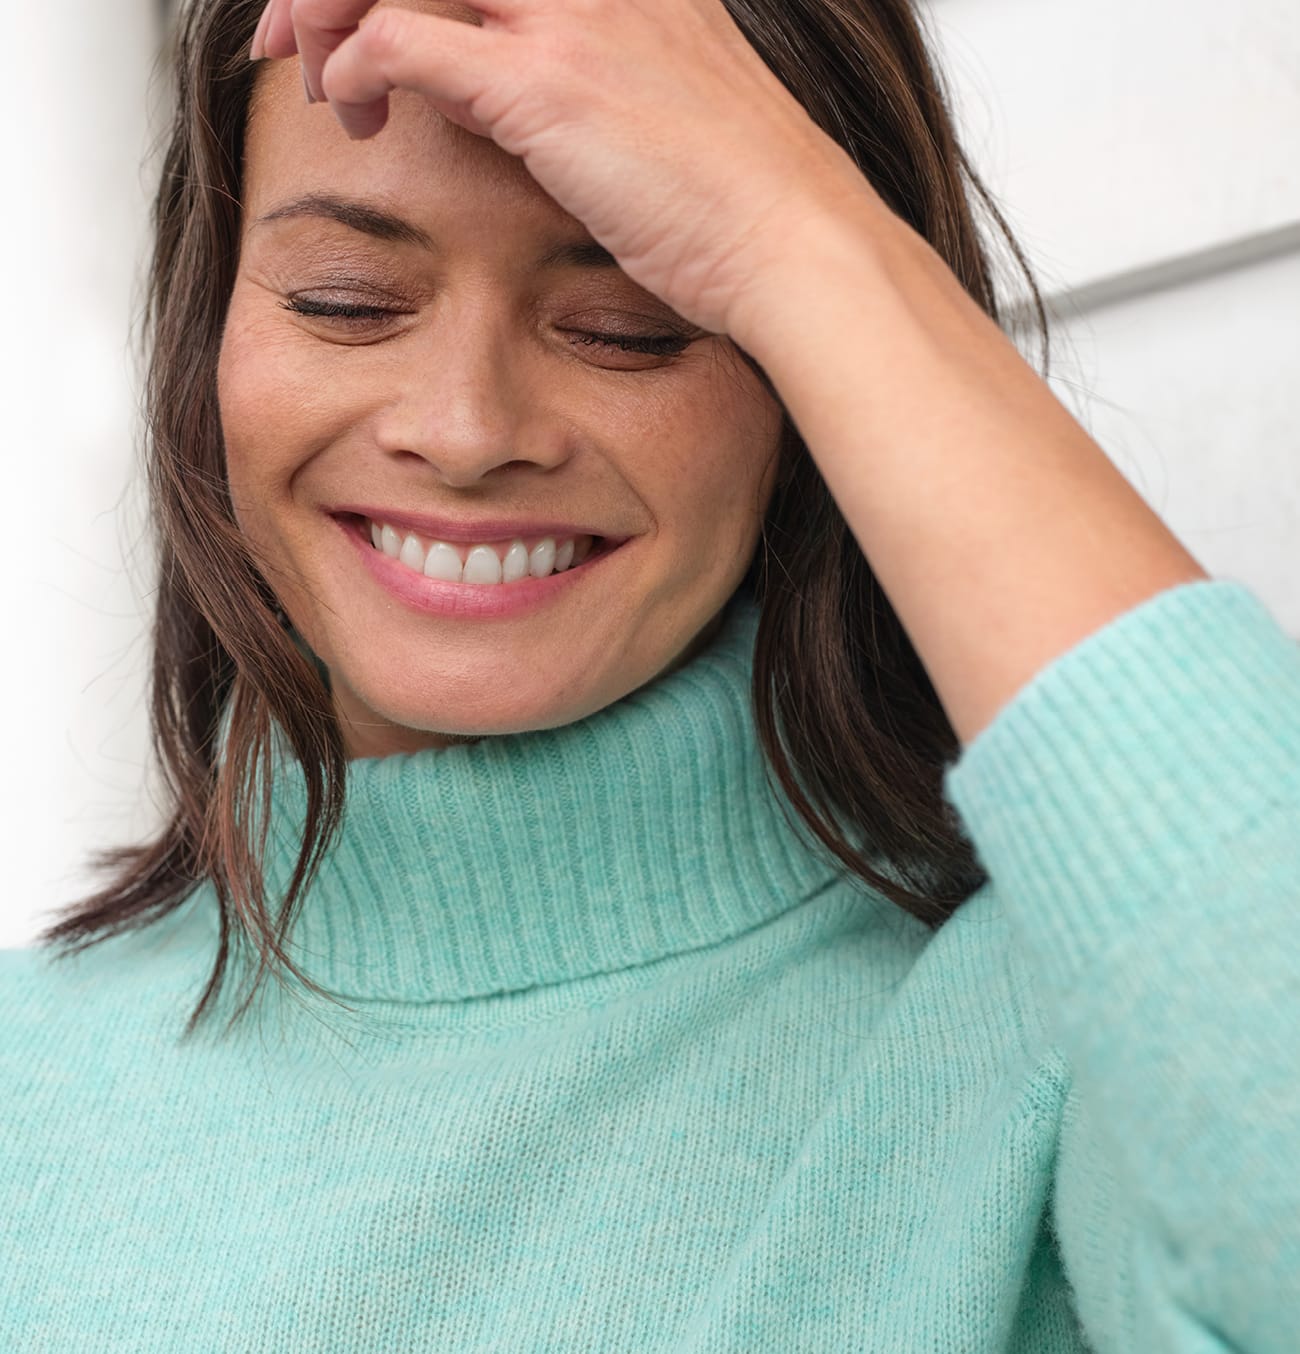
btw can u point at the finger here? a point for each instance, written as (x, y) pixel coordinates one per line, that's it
(255, 51)
(449, 61)
(278, 39)
(315, 46)
(322, 26)
(338, 14)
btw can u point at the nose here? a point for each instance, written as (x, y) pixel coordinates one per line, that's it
(470, 399)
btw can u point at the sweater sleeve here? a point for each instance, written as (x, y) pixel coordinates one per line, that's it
(1137, 808)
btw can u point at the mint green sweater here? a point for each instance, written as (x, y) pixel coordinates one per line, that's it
(630, 1068)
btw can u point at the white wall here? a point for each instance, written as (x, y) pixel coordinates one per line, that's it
(1126, 137)
(1144, 154)
(73, 115)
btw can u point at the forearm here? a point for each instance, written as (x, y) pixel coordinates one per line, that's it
(999, 530)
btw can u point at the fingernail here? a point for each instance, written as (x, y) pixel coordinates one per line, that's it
(311, 98)
(257, 48)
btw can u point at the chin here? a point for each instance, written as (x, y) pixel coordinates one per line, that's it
(391, 720)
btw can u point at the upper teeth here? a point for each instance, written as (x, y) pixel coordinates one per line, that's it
(461, 563)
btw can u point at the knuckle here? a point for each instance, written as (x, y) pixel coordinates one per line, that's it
(386, 31)
(563, 55)
(305, 13)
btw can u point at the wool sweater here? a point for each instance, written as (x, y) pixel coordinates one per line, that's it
(628, 1064)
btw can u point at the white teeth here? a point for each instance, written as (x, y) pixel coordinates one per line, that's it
(412, 554)
(515, 564)
(542, 560)
(443, 563)
(482, 566)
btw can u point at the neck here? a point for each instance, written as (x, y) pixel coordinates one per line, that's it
(647, 829)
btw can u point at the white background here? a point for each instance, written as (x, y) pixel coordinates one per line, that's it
(1145, 155)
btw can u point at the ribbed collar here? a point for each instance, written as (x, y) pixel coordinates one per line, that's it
(644, 830)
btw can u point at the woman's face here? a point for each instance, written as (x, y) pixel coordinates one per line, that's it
(468, 404)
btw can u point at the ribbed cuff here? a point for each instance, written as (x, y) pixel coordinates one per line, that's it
(1129, 766)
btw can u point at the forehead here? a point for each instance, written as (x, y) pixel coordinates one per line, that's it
(420, 161)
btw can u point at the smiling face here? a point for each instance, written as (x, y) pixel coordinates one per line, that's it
(469, 389)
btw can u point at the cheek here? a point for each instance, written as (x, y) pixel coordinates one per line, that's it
(712, 470)
(246, 390)
(269, 399)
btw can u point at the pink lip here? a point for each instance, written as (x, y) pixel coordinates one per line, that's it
(464, 530)
(465, 601)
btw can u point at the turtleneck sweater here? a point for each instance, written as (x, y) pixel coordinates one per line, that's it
(628, 1063)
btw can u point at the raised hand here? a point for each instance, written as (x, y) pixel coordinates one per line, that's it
(653, 122)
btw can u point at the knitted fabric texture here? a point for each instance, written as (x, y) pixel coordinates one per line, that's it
(629, 1065)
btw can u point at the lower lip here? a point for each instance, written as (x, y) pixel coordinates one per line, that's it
(467, 601)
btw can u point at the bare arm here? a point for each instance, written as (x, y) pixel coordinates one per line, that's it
(1000, 531)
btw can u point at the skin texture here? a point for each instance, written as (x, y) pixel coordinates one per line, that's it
(653, 122)
(478, 399)
(1000, 531)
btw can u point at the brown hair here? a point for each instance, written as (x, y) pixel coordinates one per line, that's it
(848, 718)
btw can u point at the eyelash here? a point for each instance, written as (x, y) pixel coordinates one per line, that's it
(653, 345)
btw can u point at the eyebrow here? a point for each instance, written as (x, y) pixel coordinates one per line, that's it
(382, 225)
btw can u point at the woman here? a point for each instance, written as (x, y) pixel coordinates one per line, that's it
(620, 589)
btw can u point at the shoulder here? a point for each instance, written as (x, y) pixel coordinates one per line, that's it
(34, 1019)
(976, 962)
(951, 1017)
(55, 1001)
(26, 981)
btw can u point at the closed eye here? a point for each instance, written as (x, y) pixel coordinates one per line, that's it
(337, 310)
(658, 345)
(654, 345)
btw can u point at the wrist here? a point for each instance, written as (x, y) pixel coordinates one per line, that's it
(816, 253)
